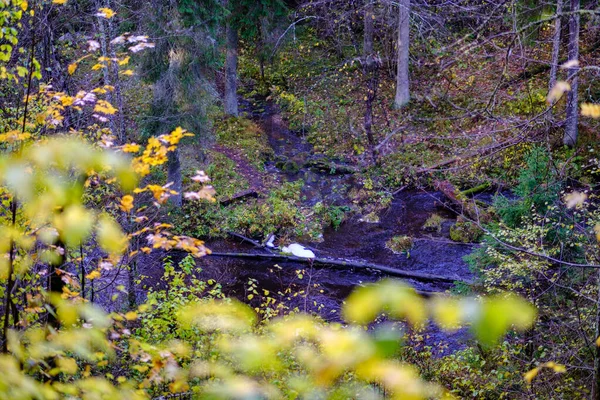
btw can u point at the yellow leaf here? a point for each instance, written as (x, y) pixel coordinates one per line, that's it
(59, 1)
(127, 72)
(67, 365)
(558, 368)
(105, 13)
(598, 341)
(93, 275)
(590, 110)
(126, 203)
(131, 315)
(531, 374)
(557, 91)
(104, 107)
(111, 238)
(72, 68)
(131, 148)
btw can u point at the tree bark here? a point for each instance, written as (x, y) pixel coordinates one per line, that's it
(371, 70)
(8, 302)
(555, 45)
(596, 381)
(368, 29)
(572, 118)
(111, 73)
(402, 78)
(231, 101)
(174, 176)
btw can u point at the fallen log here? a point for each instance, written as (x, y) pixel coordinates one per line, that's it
(238, 196)
(466, 206)
(245, 239)
(251, 241)
(346, 264)
(477, 189)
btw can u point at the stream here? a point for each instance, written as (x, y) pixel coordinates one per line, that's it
(322, 290)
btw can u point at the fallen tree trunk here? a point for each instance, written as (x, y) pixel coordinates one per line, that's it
(345, 264)
(467, 206)
(238, 196)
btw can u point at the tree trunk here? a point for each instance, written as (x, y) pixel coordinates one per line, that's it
(368, 29)
(570, 137)
(345, 264)
(111, 73)
(231, 101)
(402, 79)
(132, 276)
(174, 176)
(596, 382)
(370, 66)
(555, 45)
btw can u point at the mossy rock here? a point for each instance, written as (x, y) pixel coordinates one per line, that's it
(465, 232)
(433, 223)
(371, 218)
(400, 244)
(288, 166)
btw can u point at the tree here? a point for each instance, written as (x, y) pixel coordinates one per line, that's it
(174, 177)
(555, 44)
(402, 78)
(571, 131)
(371, 70)
(231, 63)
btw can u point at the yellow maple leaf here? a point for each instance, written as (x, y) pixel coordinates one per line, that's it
(126, 203)
(127, 72)
(93, 275)
(104, 107)
(131, 148)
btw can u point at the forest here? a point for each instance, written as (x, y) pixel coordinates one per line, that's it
(299, 199)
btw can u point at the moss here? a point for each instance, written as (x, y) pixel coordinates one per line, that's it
(400, 244)
(288, 166)
(465, 231)
(433, 223)
(240, 133)
(371, 218)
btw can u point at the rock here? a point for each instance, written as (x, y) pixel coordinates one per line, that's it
(400, 244)
(433, 223)
(465, 231)
(371, 218)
